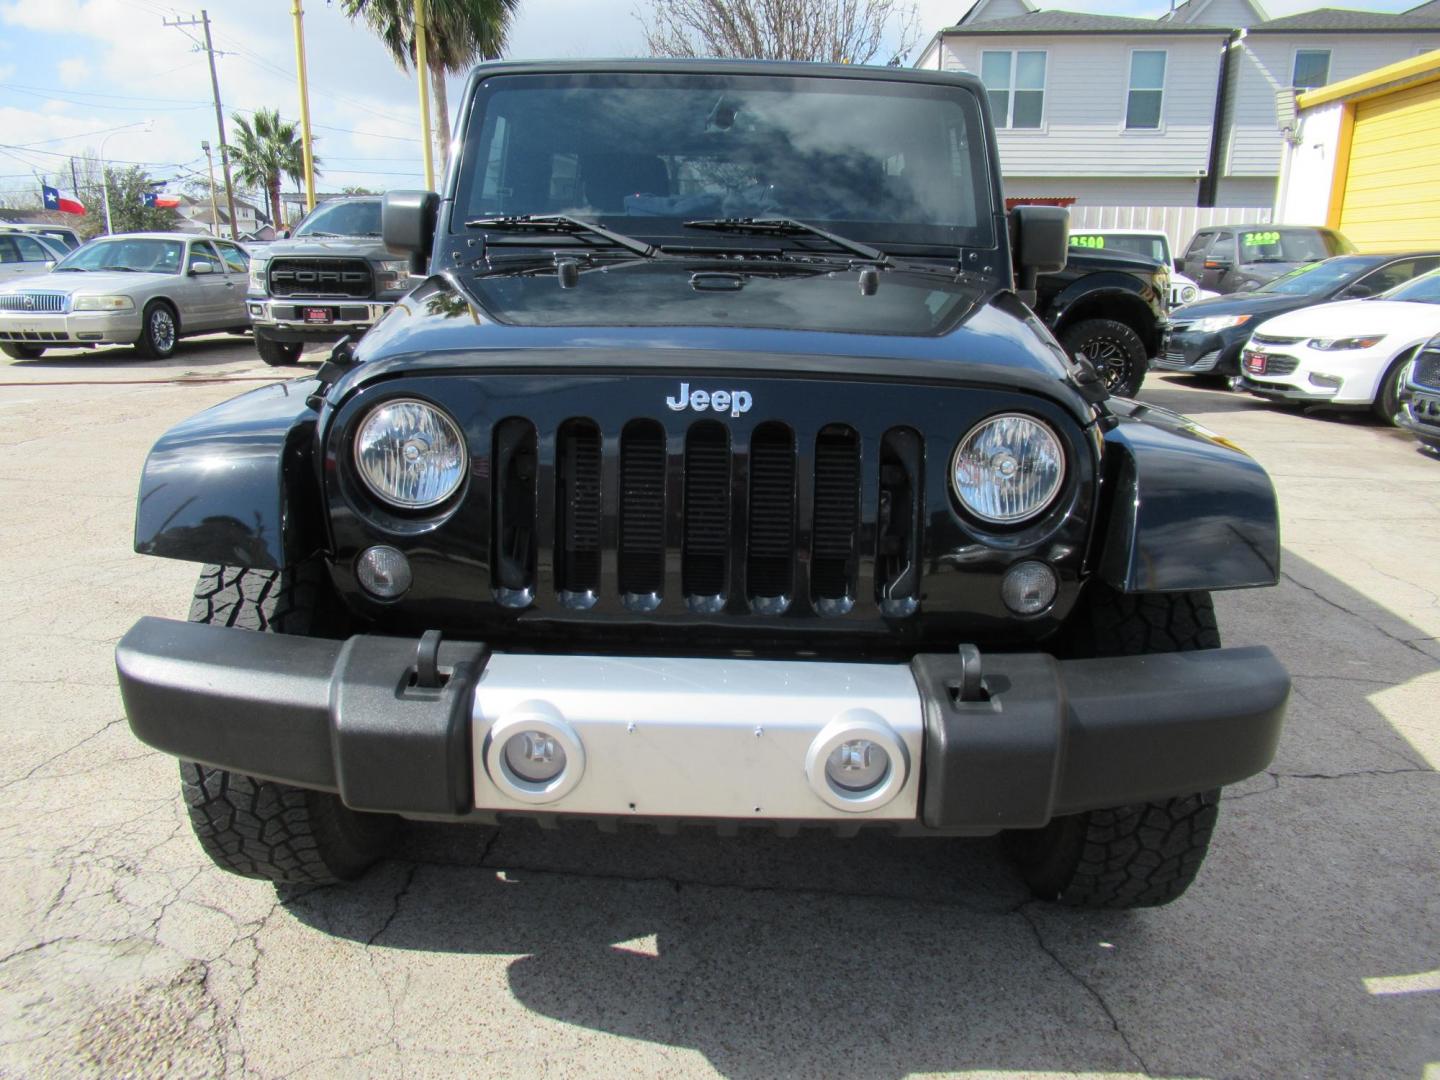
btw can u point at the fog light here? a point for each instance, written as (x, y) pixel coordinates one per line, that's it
(534, 756)
(857, 765)
(1029, 588)
(384, 572)
(857, 762)
(1327, 382)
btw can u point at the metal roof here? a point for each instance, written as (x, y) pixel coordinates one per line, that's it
(1074, 22)
(1346, 21)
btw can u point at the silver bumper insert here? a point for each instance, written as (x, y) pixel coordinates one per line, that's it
(698, 738)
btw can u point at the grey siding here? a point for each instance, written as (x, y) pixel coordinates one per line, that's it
(1263, 65)
(1233, 13)
(1087, 81)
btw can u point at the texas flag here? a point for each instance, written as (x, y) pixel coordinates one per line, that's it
(63, 201)
(161, 202)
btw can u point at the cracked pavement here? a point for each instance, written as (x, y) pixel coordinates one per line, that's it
(1308, 948)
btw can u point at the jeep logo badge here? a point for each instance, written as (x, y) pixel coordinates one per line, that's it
(29, 303)
(735, 402)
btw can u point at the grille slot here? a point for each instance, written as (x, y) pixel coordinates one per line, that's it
(642, 514)
(897, 555)
(836, 519)
(513, 559)
(1280, 365)
(578, 512)
(317, 277)
(705, 557)
(770, 552)
(1262, 339)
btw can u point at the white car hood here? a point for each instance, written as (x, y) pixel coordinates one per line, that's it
(1357, 318)
(90, 281)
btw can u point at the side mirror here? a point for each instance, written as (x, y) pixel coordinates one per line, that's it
(1358, 291)
(49, 265)
(1040, 239)
(1219, 264)
(407, 226)
(1179, 266)
(203, 267)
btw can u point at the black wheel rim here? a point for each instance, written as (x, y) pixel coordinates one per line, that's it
(1110, 358)
(162, 330)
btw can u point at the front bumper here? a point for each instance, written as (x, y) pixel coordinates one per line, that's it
(1421, 414)
(284, 320)
(1297, 373)
(74, 328)
(702, 739)
(1201, 354)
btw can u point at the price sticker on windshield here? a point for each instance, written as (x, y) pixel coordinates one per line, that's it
(1260, 239)
(1096, 242)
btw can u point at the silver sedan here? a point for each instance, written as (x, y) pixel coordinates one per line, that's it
(141, 289)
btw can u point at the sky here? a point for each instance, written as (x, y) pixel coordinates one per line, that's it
(76, 72)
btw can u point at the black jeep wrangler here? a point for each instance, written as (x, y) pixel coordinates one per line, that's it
(716, 474)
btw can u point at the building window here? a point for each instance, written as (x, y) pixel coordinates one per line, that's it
(1015, 82)
(1146, 102)
(1312, 68)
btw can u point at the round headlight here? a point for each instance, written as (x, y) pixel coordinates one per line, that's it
(1008, 468)
(1188, 294)
(410, 454)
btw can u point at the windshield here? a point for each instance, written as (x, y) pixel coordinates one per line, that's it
(126, 253)
(1424, 289)
(357, 218)
(888, 163)
(1273, 246)
(1318, 277)
(1155, 248)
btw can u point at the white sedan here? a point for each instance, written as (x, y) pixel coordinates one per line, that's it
(1349, 355)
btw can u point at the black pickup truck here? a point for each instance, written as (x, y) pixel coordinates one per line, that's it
(716, 473)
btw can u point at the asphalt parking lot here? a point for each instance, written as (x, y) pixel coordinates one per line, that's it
(1309, 947)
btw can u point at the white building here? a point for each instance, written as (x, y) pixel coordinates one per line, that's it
(1186, 110)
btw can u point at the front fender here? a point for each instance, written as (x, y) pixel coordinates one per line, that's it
(1188, 510)
(235, 484)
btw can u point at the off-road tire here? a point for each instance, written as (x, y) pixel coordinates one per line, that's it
(18, 350)
(1146, 854)
(154, 342)
(1114, 349)
(278, 353)
(1387, 395)
(260, 828)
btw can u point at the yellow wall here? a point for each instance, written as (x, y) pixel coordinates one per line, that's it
(1391, 199)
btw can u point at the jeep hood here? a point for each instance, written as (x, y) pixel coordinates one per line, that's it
(916, 326)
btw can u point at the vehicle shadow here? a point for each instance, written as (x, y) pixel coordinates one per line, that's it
(200, 351)
(881, 957)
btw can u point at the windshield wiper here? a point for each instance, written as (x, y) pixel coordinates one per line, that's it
(123, 269)
(315, 232)
(781, 226)
(69, 270)
(564, 225)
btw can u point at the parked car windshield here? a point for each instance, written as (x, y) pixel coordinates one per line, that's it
(1155, 248)
(1288, 246)
(126, 253)
(888, 163)
(1424, 289)
(358, 218)
(1318, 277)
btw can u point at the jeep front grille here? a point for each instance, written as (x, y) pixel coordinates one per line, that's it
(746, 530)
(316, 277)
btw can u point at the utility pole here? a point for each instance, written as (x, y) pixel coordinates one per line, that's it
(308, 153)
(204, 21)
(422, 69)
(214, 209)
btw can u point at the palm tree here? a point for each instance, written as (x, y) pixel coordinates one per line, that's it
(460, 33)
(265, 151)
